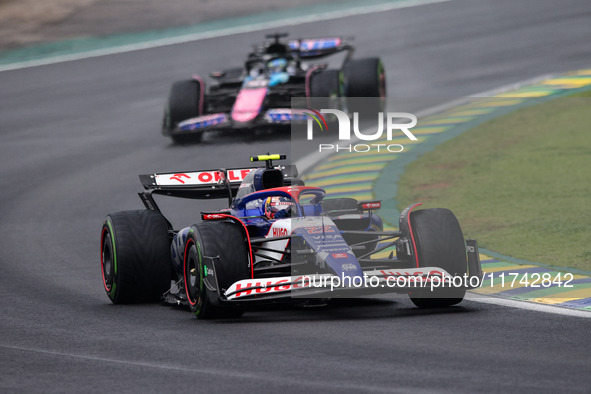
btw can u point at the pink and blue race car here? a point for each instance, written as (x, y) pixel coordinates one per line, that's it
(278, 240)
(259, 93)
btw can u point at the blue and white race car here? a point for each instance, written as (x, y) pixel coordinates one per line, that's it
(259, 94)
(278, 240)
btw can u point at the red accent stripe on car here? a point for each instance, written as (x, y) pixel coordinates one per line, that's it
(102, 264)
(189, 242)
(412, 237)
(250, 255)
(308, 79)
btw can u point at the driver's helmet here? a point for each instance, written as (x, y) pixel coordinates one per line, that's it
(277, 207)
(277, 65)
(256, 68)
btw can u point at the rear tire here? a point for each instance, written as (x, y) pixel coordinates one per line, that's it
(184, 102)
(224, 242)
(366, 78)
(440, 243)
(135, 256)
(327, 83)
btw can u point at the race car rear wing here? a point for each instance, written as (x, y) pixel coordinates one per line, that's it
(207, 184)
(319, 47)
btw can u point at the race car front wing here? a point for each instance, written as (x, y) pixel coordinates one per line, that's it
(374, 281)
(274, 116)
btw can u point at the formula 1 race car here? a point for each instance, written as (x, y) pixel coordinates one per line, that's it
(259, 94)
(279, 240)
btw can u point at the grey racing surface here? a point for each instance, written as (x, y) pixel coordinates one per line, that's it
(74, 137)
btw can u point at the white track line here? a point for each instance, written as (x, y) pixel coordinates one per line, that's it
(361, 10)
(318, 384)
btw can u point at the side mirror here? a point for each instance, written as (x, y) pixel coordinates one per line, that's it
(369, 205)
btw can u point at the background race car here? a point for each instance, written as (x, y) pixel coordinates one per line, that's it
(277, 237)
(259, 94)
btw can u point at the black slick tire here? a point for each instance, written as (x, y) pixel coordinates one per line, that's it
(135, 256)
(221, 243)
(184, 102)
(439, 243)
(366, 78)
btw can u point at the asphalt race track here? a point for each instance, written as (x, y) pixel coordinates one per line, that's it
(74, 136)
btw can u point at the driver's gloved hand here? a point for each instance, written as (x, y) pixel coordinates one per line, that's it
(282, 213)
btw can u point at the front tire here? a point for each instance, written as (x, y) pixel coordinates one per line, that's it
(185, 101)
(221, 243)
(135, 256)
(440, 243)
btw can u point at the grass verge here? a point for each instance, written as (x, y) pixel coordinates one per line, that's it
(520, 184)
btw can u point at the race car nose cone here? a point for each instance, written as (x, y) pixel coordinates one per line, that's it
(248, 104)
(244, 116)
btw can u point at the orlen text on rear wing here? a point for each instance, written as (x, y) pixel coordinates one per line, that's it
(207, 184)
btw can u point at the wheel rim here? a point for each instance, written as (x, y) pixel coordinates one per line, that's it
(107, 262)
(192, 280)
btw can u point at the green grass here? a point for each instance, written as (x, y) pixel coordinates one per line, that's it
(520, 184)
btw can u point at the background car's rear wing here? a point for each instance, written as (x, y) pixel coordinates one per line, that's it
(318, 47)
(220, 183)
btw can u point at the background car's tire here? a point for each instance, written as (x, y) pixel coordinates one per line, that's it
(187, 139)
(224, 241)
(440, 243)
(327, 83)
(327, 88)
(135, 256)
(365, 78)
(185, 101)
